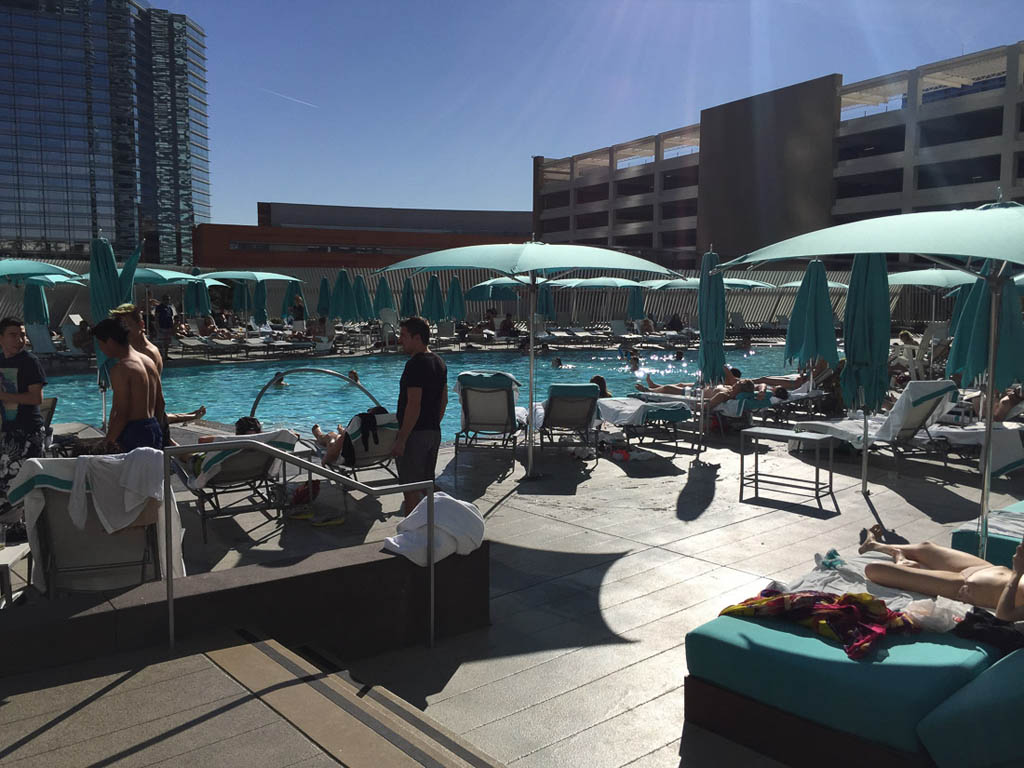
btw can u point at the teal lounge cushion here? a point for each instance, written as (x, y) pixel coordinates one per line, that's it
(574, 390)
(1001, 545)
(980, 725)
(881, 698)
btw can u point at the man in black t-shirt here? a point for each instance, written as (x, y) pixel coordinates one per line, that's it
(422, 399)
(21, 392)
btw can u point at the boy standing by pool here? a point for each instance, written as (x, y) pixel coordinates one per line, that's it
(137, 392)
(422, 399)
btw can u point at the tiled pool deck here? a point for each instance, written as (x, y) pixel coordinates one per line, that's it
(597, 573)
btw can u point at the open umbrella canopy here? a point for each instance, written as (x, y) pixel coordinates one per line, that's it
(931, 278)
(711, 316)
(595, 283)
(14, 269)
(49, 281)
(810, 334)
(865, 376)
(323, 298)
(743, 284)
(969, 354)
(382, 297)
(36, 310)
(455, 304)
(524, 258)
(206, 280)
(259, 303)
(678, 284)
(253, 277)
(151, 276)
(241, 299)
(484, 292)
(829, 284)
(433, 303)
(343, 301)
(364, 306)
(408, 306)
(290, 292)
(635, 303)
(989, 232)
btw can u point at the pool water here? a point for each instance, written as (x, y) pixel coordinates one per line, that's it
(228, 390)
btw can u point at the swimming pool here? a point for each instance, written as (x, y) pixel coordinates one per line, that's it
(228, 390)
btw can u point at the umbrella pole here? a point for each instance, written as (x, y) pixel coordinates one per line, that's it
(103, 409)
(530, 420)
(935, 296)
(864, 447)
(996, 289)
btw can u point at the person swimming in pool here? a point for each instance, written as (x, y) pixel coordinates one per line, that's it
(936, 570)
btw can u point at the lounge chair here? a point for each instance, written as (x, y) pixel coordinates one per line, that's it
(918, 407)
(489, 414)
(42, 343)
(569, 412)
(360, 455)
(236, 470)
(621, 333)
(389, 326)
(446, 335)
(68, 331)
(644, 420)
(736, 321)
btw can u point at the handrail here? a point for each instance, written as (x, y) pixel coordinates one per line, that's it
(289, 458)
(279, 376)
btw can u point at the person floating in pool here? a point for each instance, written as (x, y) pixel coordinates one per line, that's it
(353, 376)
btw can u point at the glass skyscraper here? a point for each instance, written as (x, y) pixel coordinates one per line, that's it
(103, 129)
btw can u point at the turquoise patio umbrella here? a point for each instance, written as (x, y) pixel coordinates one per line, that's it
(197, 299)
(933, 280)
(711, 317)
(530, 260)
(343, 302)
(484, 292)
(259, 303)
(635, 304)
(364, 306)
(241, 299)
(36, 310)
(969, 354)
(810, 334)
(290, 292)
(323, 298)
(455, 304)
(382, 298)
(866, 324)
(963, 239)
(433, 303)
(958, 308)
(545, 302)
(407, 307)
(107, 290)
(249, 276)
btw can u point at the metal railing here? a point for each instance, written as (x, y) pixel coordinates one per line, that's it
(348, 483)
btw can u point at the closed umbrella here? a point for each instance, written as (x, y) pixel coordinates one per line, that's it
(530, 260)
(382, 298)
(635, 304)
(433, 303)
(290, 292)
(197, 299)
(455, 304)
(969, 354)
(37, 311)
(107, 290)
(364, 307)
(323, 298)
(259, 303)
(811, 334)
(958, 308)
(545, 302)
(711, 316)
(241, 299)
(407, 308)
(343, 302)
(865, 377)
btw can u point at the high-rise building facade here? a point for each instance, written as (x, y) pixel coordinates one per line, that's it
(103, 129)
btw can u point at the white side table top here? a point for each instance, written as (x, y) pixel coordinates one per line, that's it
(12, 553)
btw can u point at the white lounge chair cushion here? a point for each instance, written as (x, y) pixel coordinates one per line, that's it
(284, 439)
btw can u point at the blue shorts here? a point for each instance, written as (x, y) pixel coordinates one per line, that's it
(141, 433)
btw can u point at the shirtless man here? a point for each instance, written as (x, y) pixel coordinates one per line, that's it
(136, 384)
(935, 570)
(131, 318)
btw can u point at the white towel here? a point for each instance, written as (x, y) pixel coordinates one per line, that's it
(121, 486)
(458, 529)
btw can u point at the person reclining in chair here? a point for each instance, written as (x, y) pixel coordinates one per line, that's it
(137, 393)
(331, 442)
(935, 570)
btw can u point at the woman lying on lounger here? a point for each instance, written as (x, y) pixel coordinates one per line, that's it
(935, 570)
(331, 442)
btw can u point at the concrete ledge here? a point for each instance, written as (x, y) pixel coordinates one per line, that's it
(356, 601)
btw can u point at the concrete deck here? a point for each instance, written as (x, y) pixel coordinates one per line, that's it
(598, 570)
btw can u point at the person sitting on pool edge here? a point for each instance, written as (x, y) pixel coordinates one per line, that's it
(602, 386)
(136, 384)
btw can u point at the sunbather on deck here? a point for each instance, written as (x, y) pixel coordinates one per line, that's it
(935, 570)
(331, 442)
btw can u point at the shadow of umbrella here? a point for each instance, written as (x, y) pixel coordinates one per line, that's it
(417, 673)
(698, 492)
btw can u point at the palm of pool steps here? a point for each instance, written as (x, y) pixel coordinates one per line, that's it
(355, 724)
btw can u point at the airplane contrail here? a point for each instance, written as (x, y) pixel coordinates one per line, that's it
(291, 98)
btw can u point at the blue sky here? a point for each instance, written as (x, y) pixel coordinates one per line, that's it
(442, 103)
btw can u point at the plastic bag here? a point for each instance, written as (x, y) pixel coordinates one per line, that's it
(937, 615)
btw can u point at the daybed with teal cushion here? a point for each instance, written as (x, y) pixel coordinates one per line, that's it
(1005, 529)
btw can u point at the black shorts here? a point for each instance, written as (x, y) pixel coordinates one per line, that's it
(420, 457)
